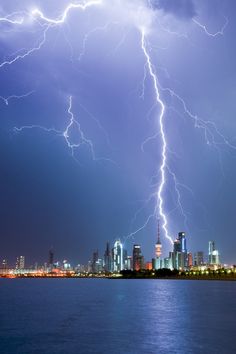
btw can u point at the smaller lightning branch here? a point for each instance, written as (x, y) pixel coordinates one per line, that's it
(28, 52)
(171, 32)
(148, 139)
(17, 97)
(36, 126)
(177, 185)
(83, 139)
(97, 122)
(151, 216)
(61, 19)
(211, 131)
(90, 33)
(72, 126)
(210, 34)
(142, 95)
(14, 18)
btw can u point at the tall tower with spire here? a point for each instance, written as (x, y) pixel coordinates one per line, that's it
(158, 246)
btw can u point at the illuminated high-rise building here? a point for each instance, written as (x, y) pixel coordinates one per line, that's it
(211, 249)
(66, 265)
(177, 246)
(117, 255)
(182, 240)
(179, 256)
(4, 264)
(213, 254)
(20, 262)
(128, 263)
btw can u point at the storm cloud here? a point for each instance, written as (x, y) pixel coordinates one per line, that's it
(184, 9)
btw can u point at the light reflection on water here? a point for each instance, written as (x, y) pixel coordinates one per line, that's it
(47, 316)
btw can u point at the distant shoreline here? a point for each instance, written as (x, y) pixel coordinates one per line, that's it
(164, 273)
(204, 278)
(177, 278)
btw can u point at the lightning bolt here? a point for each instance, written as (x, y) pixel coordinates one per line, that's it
(160, 190)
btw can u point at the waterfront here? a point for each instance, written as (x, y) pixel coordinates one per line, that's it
(49, 316)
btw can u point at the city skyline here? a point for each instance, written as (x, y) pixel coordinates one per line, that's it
(116, 257)
(114, 115)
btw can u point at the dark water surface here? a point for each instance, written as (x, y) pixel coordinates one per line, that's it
(57, 316)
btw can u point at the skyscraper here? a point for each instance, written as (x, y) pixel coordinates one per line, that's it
(182, 240)
(179, 256)
(138, 259)
(213, 254)
(107, 259)
(190, 259)
(117, 255)
(211, 248)
(20, 262)
(94, 262)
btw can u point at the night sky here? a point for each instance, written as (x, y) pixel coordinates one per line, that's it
(74, 200)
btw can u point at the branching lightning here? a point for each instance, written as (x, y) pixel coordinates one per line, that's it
(209, 127)
(49, 23)
(211, 132)
(82, 139)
